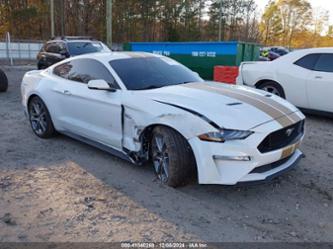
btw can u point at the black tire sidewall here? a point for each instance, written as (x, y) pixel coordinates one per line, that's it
(182, 167)
(3, 81)
(40, 66)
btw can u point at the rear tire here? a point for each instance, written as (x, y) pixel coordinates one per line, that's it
(273, 88)
(40, 119)
(3, 82)
(172, 157)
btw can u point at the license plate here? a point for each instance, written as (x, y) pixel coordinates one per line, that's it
(289, 150)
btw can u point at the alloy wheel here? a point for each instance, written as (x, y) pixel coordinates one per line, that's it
(160, 158)
(37, 113)
(272, 89)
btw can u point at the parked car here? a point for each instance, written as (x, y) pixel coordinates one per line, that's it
(303, 77)
(145, 107)
(272, 53)
(280, 50)
(61, 48)
(273, 56)
(3, 81)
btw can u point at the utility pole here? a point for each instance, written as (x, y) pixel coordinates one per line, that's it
(62, 17)
(220, 21)
(109, 23)
(52, 17)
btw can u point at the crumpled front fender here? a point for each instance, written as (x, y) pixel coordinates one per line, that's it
(136, 121)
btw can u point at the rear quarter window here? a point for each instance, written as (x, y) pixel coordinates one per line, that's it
(308, 62)
(324, 63)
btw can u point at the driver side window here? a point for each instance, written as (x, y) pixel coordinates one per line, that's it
(84, 70)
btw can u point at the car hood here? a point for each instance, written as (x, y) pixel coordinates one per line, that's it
(228, 106)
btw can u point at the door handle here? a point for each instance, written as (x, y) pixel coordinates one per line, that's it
(66, 92)
(318, 77)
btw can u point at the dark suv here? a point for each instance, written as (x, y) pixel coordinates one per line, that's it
(60, 48)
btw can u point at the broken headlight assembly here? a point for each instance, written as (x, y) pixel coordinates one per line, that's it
(225, 135)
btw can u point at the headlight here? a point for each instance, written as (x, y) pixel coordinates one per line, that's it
(225, 135)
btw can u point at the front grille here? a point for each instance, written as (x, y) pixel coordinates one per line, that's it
(282, 138)
(270, 166)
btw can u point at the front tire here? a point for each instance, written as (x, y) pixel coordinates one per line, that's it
(172, 157)
(3, 82)
(40, 119)
(273, 88)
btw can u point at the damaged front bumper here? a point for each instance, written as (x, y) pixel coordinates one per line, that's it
(240, 161)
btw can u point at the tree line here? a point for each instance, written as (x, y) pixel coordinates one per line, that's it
(133, 20)
(291, 23)
(295, 24)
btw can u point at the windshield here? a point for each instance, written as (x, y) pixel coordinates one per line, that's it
(77, 48)
(152, 72)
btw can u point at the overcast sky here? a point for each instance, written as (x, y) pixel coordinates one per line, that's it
(324, 4)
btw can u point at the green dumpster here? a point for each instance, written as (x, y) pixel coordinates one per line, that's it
(201, 57)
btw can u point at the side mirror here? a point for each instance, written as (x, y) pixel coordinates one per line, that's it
(100, 85)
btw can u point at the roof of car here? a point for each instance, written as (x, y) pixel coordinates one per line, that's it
(68, 38)
(317, 50)
(106, 57)
(297, 54)
(303, 52)
(109, 56)
(72, 41)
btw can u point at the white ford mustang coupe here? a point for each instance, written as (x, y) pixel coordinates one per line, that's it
(303, 77)
(144, 107)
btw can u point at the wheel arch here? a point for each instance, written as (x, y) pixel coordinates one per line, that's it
(36, 95)
(3, 81)
(261, 82)
(147, 133)
(31, 97)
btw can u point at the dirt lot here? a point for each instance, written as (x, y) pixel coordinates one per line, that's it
(63, 190)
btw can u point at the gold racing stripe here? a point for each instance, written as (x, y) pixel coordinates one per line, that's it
(272, 102)
(281, 116)
(275, 113)
(278, 106)
(294, 117)
(264, 99)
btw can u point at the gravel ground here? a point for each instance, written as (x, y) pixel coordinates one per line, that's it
(63, 190)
